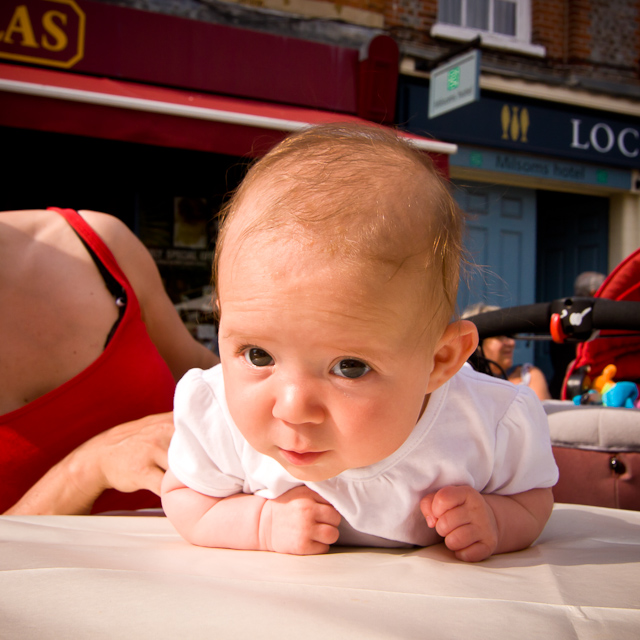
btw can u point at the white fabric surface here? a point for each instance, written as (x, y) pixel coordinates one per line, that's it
(66, 577)
(499, 446)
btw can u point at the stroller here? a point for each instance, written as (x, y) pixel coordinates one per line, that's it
(595, 428)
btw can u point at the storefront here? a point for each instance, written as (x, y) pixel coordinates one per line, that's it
(552, 188)
(153, 118)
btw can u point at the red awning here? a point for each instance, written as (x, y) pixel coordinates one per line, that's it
(114, 109)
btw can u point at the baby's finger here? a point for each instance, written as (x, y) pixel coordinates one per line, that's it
(472, 542)
(307, 547)
(325, 534)
(449, 498)
(327, 514)
(314, 548)
(474, 553)
(461, 537)
(452, 520)
(426, 506)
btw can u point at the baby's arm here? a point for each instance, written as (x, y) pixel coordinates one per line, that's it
(476, 526)
(299, 522)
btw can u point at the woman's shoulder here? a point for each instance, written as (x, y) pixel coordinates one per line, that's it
(129, 252)
(520, 371)
(530, 375)
(523, 370)
(113, 231)
(35, 225)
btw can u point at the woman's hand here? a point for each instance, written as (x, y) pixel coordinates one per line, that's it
(131, 456)
(127, 457)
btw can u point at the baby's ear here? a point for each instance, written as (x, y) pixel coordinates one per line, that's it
(458, 342)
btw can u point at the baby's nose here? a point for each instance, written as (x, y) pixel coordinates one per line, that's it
(298, 402)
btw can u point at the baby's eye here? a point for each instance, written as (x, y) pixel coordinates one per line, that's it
(350, 368)
(258, 357)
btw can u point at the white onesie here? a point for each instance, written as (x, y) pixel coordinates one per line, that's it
(476, 430)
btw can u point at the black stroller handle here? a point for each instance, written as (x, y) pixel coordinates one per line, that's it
(616, 314)
(578, 318)
(530, 318)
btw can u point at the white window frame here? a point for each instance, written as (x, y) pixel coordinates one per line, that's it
(520, 43)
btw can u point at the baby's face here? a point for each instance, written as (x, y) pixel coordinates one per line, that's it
(323, 371)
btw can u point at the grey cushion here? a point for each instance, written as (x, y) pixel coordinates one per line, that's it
(593, 427)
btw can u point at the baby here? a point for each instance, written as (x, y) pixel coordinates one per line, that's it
(343, 410)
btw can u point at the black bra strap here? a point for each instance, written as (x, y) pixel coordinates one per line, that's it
(114, 287)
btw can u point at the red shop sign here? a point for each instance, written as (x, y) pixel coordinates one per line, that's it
(46, 32)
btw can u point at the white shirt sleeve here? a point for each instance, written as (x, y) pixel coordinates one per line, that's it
(203, 453)
(523, 457)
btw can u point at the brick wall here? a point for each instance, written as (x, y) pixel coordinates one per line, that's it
(549, 27)
(589, 34)
(614, 31)
(579, 31)
(411, 19)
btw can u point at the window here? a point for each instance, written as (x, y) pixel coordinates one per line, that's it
(501, 23)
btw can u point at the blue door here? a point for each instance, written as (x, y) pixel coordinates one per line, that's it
(501, 238)
(573, 236)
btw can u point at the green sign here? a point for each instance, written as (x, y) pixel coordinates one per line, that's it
(453, 79)
(454, 84)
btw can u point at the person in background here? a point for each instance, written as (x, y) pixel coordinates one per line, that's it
(498, 351)
(587, 283)
(343, 410)
(91, 349)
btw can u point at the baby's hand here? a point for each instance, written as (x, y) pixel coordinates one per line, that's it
(464, 519)
(298, 522)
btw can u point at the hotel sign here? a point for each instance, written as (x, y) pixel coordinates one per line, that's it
(455, 84)
(45, 32)
(527, 125)
(541, 167)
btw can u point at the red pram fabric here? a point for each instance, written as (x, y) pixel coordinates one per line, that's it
(622, 284)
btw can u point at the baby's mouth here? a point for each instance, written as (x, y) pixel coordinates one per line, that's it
(300, 459)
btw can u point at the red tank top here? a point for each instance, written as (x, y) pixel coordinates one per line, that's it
(129, 380)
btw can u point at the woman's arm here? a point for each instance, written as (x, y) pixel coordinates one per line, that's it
(539, 384)
(128, 457)
(537, 381)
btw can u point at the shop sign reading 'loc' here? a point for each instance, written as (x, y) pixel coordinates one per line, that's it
(46, 32)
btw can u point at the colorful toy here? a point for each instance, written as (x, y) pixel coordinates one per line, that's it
(621, 394)
(604, 381)
(605, 391)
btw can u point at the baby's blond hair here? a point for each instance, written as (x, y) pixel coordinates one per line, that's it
(359, 193)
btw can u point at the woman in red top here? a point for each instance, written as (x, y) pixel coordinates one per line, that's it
(90, 340)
